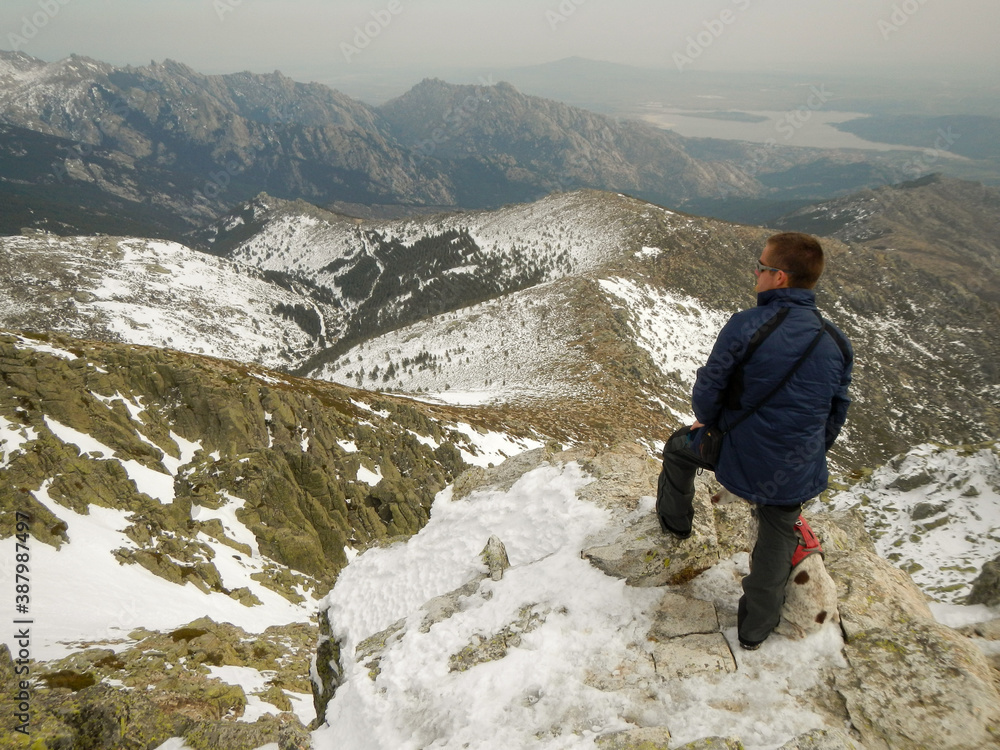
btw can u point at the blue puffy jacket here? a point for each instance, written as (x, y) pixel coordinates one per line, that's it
(778, 455)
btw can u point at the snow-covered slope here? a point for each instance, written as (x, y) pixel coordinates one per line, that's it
(80, 568)
(515, 348)
(563, 234)
(158, 294)
(542, 684)
(934, 512)
(528, 345)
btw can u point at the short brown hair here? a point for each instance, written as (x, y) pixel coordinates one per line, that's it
(798, 255)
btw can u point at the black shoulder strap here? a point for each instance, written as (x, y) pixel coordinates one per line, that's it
(761, 334)
(788, 376)
(838, 337)
(734, 392)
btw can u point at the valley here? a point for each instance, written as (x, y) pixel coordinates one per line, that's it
(276, 363)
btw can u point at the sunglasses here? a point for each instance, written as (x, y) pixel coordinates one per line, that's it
(761, 268)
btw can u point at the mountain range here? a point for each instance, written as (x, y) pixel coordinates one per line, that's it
(251, 329)
(585, 312)
(90, 147)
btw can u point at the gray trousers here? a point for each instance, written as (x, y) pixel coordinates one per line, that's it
(771, 559)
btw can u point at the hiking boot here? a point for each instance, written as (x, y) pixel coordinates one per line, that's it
(666, 529)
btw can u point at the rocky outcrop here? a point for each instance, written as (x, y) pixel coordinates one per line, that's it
(171, 685)
(912, 682)
(986, 587)
(905, 682)
(286, 451)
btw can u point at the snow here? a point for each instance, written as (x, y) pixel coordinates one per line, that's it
(108, 600)
(492, 447)
(226, 515)
(537, 695)
(368, 476)
(677, 331)
(935, 513)
(156, 293)
(38, 346)
(517, 346)
(156, 484)
(12, 437)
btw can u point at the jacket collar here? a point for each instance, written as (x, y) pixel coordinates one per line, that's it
(788, 297)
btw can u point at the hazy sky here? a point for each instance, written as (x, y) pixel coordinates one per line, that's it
(324, 39)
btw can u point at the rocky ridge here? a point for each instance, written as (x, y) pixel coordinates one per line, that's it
(91, 147)
(601, 311)
(162, 294)
(621, 326)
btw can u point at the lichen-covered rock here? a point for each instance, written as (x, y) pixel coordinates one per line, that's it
(713, 743)
(275, 444)
(912, 682)
(162, 687)
(986, 587)
(496, 645)
(822, 739)
(494, 557)
(871, 593)
(644, 555)
(919, 684)
(692, 655)
(642, 738)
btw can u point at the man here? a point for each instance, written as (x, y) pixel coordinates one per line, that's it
(776, 384)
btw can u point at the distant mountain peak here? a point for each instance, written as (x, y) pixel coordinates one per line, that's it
(932, 179)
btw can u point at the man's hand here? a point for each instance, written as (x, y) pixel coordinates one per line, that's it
(696, 425)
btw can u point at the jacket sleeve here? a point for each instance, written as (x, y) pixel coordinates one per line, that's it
(713, 378)
(840, 401)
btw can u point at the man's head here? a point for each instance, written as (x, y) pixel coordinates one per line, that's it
(792, 259)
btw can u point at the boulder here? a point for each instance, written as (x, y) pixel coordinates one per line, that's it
(917, 685)
(822, 739)
(645, 738)
(912, 682)
(986, 587)
(641, 553)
